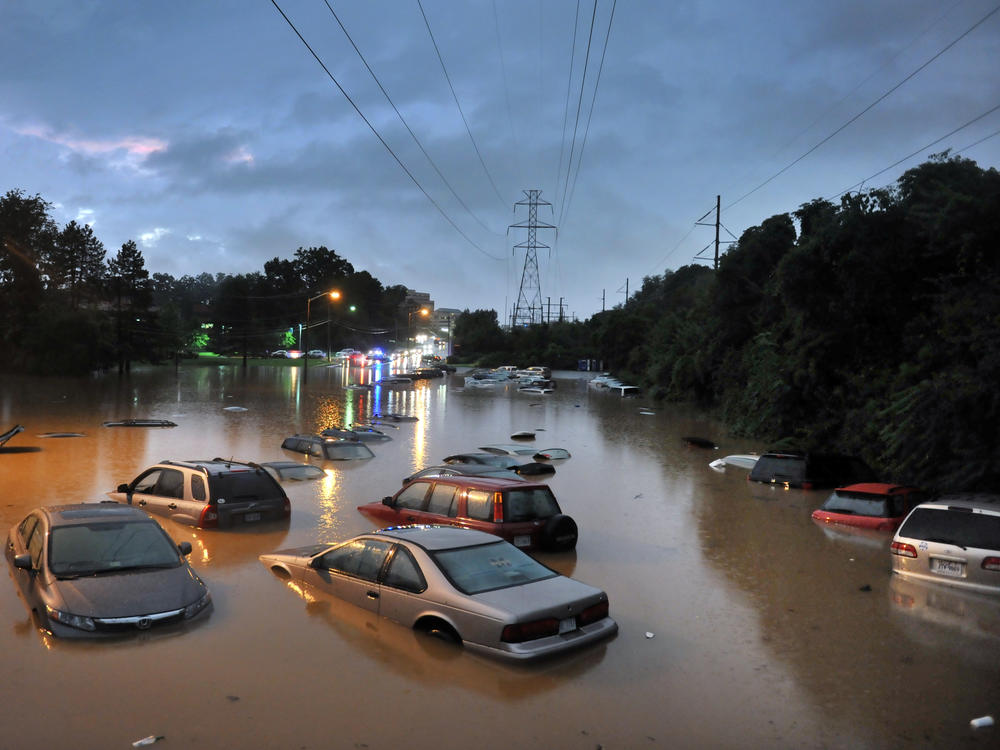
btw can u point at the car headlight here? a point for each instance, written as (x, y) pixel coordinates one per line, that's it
(192, 609)
(74, 621)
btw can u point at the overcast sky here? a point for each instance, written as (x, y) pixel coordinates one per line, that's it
(210, 134)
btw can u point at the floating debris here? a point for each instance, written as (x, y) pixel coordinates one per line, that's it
(60, 434)
(140, 423)
(981, 722)
(234, 408)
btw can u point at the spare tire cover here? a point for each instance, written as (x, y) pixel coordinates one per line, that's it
(559, 533)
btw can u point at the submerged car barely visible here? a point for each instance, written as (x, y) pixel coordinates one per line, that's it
(459, 584)
(102, 569)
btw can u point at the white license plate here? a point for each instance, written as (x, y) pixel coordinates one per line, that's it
(947, 567)
(251, 517)
(522, 540)
(567, 626)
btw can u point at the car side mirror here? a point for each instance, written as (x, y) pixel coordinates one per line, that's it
(122, 488)
(23, 561)
(184, 548)
(387, 501)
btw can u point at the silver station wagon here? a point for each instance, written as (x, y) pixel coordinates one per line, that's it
(459, 584)
(953, 540)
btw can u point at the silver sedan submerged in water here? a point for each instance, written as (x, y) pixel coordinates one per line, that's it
(459, 584)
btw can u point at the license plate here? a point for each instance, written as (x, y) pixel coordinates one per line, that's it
(251, 517)
(947, 567)
(522, 540)
(567, 626)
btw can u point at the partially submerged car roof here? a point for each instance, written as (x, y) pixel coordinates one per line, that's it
(434, 537)
(481, 482)
(102, 512)
(877, 488)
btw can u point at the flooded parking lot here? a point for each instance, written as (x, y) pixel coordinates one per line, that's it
(742, 623)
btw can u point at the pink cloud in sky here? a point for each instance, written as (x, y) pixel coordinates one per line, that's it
(135, 146)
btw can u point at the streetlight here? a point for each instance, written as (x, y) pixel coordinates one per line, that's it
(334, 295)
(423, 312)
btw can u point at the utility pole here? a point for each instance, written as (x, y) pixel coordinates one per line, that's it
(603, 291)
(528, 308)
(718, 223)
(560, 309)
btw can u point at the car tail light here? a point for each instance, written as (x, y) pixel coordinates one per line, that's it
(903, 549)
(991, 563)
(209, 518)
(286, 506)
(903, 600)
(593, 614)
(530, 631)
(497, 508)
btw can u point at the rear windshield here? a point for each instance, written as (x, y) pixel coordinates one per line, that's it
(979, 530)
(249, 485)
(90, 549)
(488, 567)
(786, 469)
(529, 504)
(345, 451)
(862, 505)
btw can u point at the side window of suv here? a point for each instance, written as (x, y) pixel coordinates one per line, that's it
(443, 500)
(413, 497)
(170, 484)
(480, 505)
(146, 483)
(197, 488)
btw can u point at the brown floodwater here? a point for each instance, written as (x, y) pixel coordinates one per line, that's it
(742, 623)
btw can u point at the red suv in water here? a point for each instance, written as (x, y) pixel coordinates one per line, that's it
(526, 514)
(871, 505)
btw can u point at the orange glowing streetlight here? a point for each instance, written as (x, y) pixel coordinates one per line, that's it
(334, 295)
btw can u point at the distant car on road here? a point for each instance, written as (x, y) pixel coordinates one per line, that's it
(211, 494)
(316, 354)
(280, 354)
(526, 514)
(102, 569)
(952, 540)
(458, 584)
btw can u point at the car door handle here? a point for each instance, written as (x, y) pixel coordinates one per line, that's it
(172, 506)
(141, 502)
(372, 594)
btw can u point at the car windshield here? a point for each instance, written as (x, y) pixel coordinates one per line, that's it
(529, 504)
(979, 530)
(88, 549)
(857, 504)
(488, 567)
(244, 485)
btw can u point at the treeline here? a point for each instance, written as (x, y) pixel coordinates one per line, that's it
(871, 327)
(68, 307)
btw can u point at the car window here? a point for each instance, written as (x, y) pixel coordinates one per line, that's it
(412, 497)
(361, 558)
(244, 485)
(443, 500)
(85, 549)
(529, 504)
(34, 543)
(197, 487)
(859, 504)
(490, 566)
(403, 572)
(348, 450)
(146, 483)
(170, 484)
(26, 527)
(479, 505)
(980, 530)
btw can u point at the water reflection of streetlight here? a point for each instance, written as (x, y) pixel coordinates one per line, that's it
(334, 296)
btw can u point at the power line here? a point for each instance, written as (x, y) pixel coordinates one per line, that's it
(506, 86)
(569, 83)
(377, 134)
(457, 103)
(576, 125)
(919, 150)
(403, 120)
(593, 101)
(869, 107)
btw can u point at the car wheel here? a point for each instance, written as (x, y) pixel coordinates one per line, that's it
(560, 533)
(440, 630)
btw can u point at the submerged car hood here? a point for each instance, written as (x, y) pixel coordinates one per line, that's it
(295, 554)
(558, 597)
(128, 594)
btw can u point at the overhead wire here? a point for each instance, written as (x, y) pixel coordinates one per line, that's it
(569, 84)
(459, 105)
(378, 135)
(405, 124)
(506, 85)
(590, 115)
(869, 107)
(579, 103)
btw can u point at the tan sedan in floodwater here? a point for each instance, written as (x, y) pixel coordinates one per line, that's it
(458, 584)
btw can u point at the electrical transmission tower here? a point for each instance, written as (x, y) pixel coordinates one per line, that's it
(528, 309)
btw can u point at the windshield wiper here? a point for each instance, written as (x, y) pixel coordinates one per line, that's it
(131, 568)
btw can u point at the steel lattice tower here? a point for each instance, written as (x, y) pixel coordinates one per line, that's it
(529, 312)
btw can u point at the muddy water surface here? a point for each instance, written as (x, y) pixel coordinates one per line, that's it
(742, 624)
